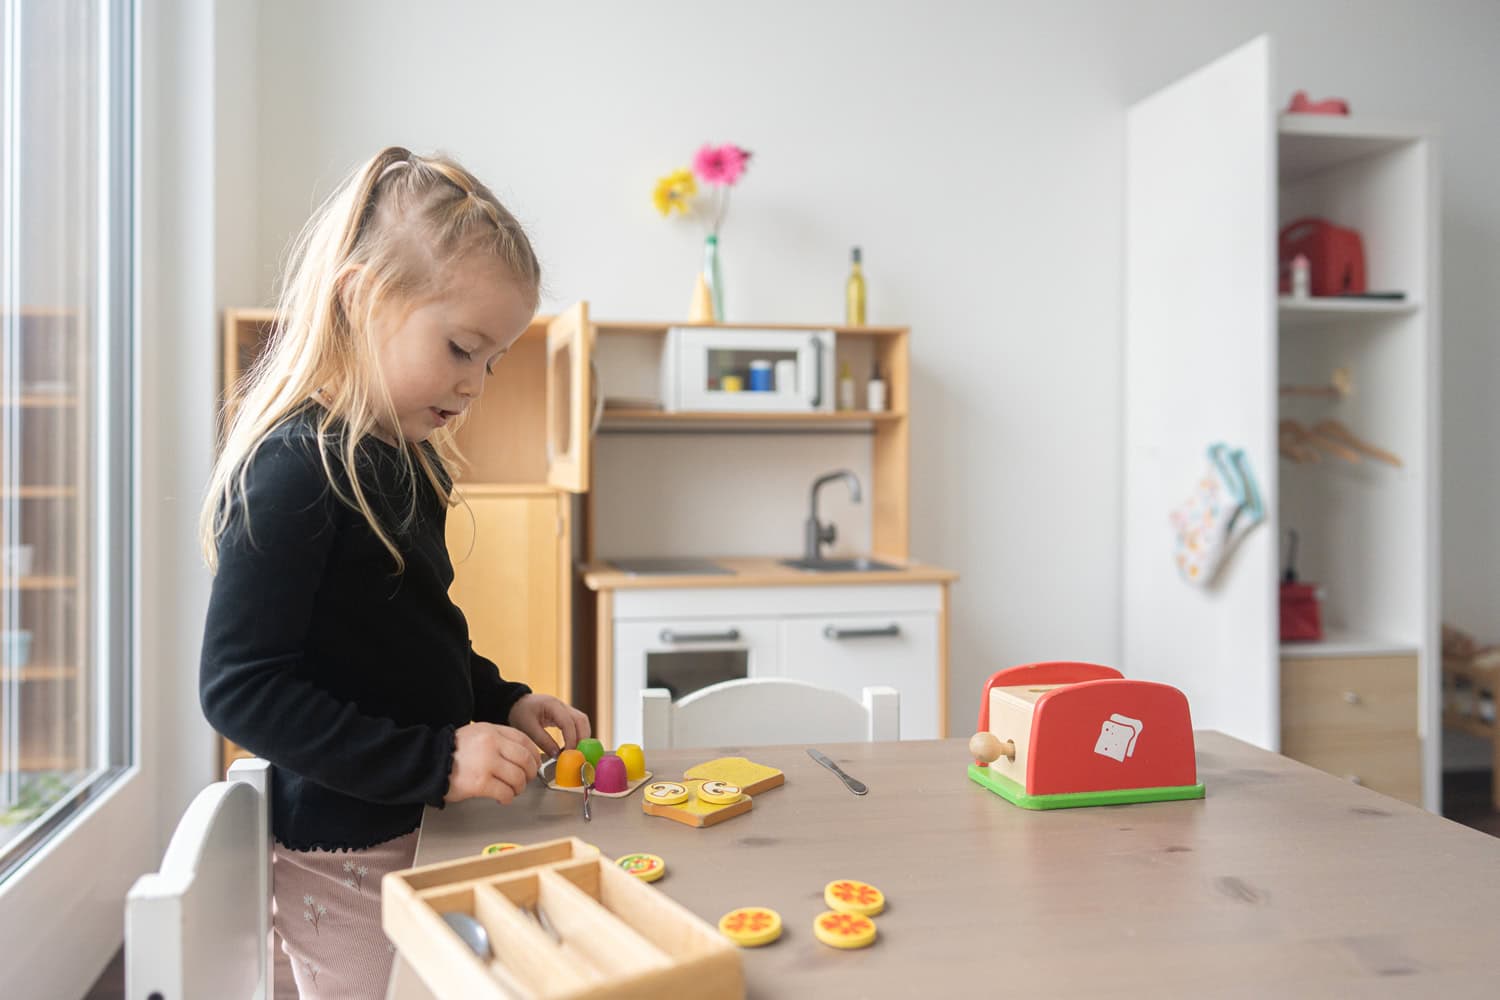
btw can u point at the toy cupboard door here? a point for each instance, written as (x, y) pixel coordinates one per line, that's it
(511, 580)
(573, 400)
(1200, 367)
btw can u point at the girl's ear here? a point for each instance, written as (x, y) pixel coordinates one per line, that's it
(344, 287)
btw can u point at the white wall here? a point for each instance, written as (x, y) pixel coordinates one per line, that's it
(973, 149)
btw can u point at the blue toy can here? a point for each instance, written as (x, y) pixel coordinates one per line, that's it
(760, 376)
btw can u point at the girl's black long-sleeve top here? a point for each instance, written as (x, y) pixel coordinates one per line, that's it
(350, 678)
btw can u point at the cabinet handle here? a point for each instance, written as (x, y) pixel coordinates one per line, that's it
(728, 635)
(1351, 697)
(834, 632)
(598, 396)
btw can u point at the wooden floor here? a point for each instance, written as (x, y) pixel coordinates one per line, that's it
(1466, 800)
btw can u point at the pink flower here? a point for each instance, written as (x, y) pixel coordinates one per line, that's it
(720, 164)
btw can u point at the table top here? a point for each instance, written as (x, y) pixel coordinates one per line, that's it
(1283, 881)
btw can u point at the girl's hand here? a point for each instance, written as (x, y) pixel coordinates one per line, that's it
(490, 761)
(535, 712)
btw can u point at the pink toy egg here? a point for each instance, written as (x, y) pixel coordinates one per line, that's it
(609, 774)
(569, 769)
(635, 761)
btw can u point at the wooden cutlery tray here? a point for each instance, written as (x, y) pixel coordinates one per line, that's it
(616, 936)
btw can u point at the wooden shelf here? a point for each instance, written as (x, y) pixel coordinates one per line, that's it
(1311, 144)
(1300, 314)
(48, 764)
(38, 672)
(637, 328)
(40, 583)
(38, 492)
(740, 417)
(40, 401)
(1338, 643)
(1474, 727)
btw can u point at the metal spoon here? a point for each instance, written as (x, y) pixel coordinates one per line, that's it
(471, 931)
(538, 914)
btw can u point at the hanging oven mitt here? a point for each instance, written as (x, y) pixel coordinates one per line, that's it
(1250, 510)
(1202, 524)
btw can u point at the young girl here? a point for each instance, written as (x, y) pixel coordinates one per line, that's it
(331, 647)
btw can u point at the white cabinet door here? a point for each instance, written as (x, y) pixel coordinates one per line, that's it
(1200, 367)
(684, 655)
(851, 652)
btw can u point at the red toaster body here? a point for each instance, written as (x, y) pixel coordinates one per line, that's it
(1335, 257)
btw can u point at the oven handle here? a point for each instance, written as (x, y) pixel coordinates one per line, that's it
(817, 396)
(728, 635)
(834, 632)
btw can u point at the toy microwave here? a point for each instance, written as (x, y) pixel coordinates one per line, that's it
(746, 370)
(1053, 735)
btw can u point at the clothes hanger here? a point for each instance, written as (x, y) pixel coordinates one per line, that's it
(1340, 386)
(1293, 442)
(1334, 430)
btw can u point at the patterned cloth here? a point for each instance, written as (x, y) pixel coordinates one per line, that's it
(327, 915)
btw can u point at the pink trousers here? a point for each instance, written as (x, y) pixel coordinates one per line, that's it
(327, 917)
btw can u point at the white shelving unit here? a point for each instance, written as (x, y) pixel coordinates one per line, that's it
(1213, 173)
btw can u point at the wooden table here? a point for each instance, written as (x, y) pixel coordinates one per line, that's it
(1283, 881)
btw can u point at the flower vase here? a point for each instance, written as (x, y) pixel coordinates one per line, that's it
(702, 309)
(712, 276)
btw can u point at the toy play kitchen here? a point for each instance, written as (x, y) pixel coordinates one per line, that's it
(1053, 735)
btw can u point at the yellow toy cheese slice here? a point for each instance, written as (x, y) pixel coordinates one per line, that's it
(751, 926)
(844, 930)
(848, 896)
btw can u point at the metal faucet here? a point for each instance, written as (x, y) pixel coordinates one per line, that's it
(817, 534)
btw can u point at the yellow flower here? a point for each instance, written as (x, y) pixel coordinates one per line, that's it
(674, 191)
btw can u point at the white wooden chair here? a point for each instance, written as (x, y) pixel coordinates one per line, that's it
(201, 927)
(766, 710)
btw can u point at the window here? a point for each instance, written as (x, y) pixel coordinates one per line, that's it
(65, 411)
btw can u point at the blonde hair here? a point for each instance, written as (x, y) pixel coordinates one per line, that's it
(382, 240)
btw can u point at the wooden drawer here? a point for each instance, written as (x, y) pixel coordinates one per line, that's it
(1390, 766)
(1365, 697)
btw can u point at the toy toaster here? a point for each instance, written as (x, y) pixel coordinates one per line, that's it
(1053, 735)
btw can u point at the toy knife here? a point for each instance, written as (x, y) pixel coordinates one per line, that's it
(857, 787)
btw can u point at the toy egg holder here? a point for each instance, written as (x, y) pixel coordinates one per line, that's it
(587, 773)
(1054, 735)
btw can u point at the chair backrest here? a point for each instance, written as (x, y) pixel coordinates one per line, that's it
(201, 926)
(765, 710)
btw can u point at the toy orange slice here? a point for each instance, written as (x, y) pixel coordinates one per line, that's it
(844, 930)
(751, 926)
(848, 896)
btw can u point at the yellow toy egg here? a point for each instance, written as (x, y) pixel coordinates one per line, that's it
(635, 761)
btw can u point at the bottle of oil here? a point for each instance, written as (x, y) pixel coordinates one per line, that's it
(854, 292)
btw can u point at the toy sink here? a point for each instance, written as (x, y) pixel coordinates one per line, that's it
(1054, 735)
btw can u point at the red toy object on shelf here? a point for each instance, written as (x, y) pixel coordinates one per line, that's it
(1302, 105)
(1335, 257)
(1053, 735)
